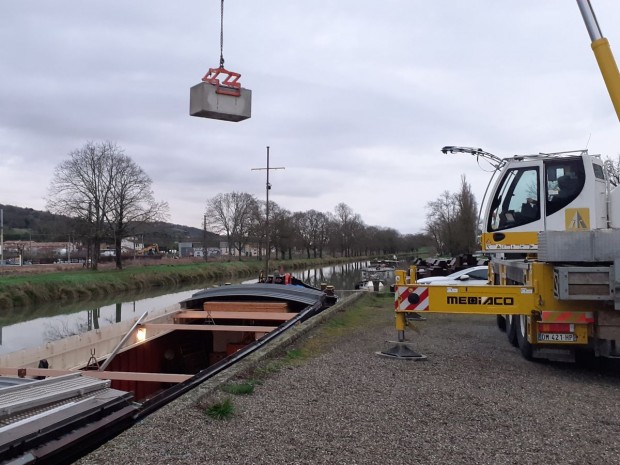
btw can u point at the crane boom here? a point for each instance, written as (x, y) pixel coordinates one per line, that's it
(602, 53)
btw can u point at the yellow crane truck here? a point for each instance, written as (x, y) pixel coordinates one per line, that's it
(552, 225)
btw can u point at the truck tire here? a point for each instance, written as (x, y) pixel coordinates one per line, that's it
(511, 329)
(501, 323)
(521, 329)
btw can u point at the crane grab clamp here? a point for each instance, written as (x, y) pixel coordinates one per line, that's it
(230, 84)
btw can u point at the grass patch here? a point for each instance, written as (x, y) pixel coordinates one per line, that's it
(241, 388)
(291, 357)
(294, 355)
(267, 368)
(221, 410)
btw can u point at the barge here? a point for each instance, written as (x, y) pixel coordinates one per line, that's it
(60, 401)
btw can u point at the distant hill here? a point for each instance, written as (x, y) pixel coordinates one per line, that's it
(41, 226)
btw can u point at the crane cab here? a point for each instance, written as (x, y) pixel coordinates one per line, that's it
(545, 192)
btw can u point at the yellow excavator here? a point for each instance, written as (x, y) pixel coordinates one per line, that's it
(149, 250)
(552, 225)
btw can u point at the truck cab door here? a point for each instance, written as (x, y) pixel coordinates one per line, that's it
(516, 205)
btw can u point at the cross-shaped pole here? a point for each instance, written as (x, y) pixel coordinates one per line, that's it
(268, 187)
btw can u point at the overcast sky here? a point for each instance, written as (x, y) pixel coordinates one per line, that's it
(355, 98)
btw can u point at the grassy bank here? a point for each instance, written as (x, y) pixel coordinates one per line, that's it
(70, 286)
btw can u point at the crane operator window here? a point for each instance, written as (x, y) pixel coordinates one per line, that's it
(565, 181)
(516, 202)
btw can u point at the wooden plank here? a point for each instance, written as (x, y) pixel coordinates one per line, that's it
(200, 314)
(281, 307)
(111, 375)
(242, 328)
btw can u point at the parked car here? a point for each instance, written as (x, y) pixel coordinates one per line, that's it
(475, 276)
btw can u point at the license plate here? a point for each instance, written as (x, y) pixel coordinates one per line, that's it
(556, 337)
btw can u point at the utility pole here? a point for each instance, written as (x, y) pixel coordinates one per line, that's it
(268, 188)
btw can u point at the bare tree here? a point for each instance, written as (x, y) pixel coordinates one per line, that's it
(613, 170)
(282, 230)
(306, 229)
(232, 214)
(440, 222)
(279, 228)
(451, 221)
(82, 188)
(322, 227)
(467, 218)
(219, 217)
(386, 241)
(350, 225)
(107, 191)
(132, 202)
(258, 229)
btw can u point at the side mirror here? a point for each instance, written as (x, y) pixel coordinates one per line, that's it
(464, 277)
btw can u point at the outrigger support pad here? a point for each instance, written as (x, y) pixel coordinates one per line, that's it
(401, 351)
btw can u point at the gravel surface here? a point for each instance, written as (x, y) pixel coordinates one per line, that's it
(473, 401)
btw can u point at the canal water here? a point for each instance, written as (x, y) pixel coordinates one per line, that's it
(28, 328)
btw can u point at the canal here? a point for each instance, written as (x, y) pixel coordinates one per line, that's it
(34, 327)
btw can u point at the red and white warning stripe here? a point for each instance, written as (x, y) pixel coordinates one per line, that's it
(567, 317)
(411, 299)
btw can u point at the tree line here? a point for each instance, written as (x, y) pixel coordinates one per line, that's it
(451, 227)
(242, 219)
(109, 196)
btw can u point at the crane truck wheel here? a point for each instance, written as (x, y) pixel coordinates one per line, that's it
(501, 323)
(511, 330)
(521, 329)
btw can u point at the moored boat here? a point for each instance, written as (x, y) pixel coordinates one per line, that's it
(377, 276)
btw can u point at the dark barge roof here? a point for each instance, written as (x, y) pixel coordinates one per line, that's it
(301, 294)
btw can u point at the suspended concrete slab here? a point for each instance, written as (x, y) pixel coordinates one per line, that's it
(209, 101)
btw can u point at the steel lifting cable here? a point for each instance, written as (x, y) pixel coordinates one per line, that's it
(230, 84)
(222, 35)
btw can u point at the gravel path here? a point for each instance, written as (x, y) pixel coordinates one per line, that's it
(473, 401)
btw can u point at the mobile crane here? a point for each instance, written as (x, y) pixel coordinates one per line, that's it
(552, 224)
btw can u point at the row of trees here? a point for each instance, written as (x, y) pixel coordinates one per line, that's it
(107, 194)
(110, 197)
(451, 227)
(241, 218)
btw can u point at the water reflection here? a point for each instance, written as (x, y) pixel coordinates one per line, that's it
(343, 277)
(35, 327)
(74, 324)
(38, 331)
